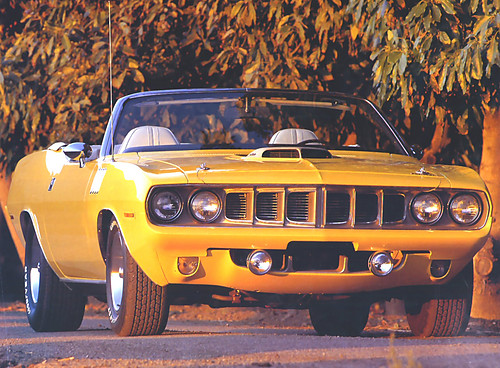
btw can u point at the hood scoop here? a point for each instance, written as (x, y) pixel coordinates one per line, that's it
(290, 152)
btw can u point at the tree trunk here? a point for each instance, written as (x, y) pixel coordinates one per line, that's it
(486, 302)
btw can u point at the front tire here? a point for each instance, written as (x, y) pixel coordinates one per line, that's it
(442, 310)
(341, 318)
(136, 305)
(50, 304)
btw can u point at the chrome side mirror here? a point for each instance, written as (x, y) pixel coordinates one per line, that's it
(78, 151)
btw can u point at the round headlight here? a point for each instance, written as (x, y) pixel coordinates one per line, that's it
(465, 209)
(205, 206)
(427, 208)
(165, 206)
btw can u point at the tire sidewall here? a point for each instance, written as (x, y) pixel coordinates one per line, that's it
(143, 308)
(57, 307)
(33, 253)
(342, 318)
(422, 308)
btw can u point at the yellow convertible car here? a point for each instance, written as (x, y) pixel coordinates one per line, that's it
(247, 197)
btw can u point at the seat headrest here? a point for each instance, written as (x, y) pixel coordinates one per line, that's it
(148, 135)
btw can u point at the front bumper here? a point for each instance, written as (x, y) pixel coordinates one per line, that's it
(157, 251)
(218, 269)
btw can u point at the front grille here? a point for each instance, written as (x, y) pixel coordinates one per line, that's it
(337, 207)
(267, 206)
(236, 206)
(366, 208)
(329, 207)
(297, 208)
(394, 208)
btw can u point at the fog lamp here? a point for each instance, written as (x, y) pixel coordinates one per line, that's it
(381, 263)
(259, 262)
(439, 268)
(188, 265)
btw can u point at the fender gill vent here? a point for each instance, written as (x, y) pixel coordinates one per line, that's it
(267, 206)
(236, 206)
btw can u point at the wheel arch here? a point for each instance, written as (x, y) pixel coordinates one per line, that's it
(29, 223)
(30, 228)
(104, 220)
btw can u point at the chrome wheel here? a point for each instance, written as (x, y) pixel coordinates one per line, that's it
(116, 274)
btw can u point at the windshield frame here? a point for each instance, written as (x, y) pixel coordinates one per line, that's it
(310, 97)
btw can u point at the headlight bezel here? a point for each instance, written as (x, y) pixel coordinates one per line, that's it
(415, 213)
(479, 208)
(153, 214)
(193, 211)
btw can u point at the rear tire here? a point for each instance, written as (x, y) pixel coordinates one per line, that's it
(442, 310)
(136, 305)
(341, 318)
(50, 304)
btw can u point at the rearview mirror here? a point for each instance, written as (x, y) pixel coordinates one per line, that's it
(416, 151)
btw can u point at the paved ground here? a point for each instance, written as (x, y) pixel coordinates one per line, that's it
(202, 337)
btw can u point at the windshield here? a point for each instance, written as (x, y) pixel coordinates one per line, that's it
(248, 120)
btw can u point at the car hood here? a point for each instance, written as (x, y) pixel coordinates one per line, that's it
(373, 169)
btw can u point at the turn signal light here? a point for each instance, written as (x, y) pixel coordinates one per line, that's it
(188, 265)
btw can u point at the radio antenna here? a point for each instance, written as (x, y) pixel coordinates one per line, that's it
(111, 82)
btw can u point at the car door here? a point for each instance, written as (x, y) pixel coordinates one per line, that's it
(70, 233)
